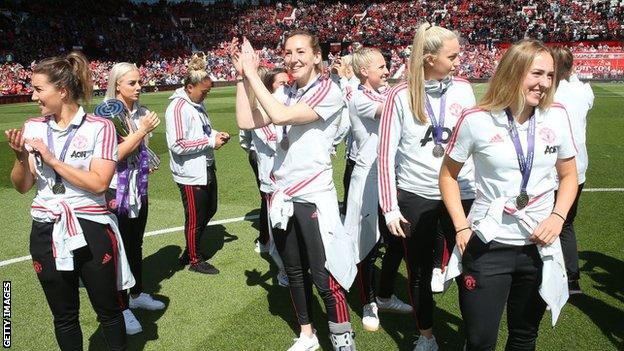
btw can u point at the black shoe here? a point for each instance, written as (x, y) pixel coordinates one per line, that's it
(183, 260)
(574, 288)
(204, 267)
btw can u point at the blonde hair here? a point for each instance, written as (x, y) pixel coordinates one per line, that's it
(362, 58)
(196, 71)
(116, 73)
(70, 72)
(505, 87)
(428, 40)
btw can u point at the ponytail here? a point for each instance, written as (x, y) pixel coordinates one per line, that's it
(428, 40)
(71, 72)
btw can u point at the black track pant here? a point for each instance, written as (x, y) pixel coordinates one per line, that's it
(346, 181)
(445, 239)
(95, 264)
(301, 248)
(263, 235)
(568, 240)
(200, 204)
(424, 216)
(132, 231)
(389, 266)
(494, 276)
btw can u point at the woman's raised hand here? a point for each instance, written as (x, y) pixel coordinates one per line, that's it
(250, 60)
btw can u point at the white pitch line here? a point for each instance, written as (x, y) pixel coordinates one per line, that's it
(603, 190)
(247, 218)
(152, 233)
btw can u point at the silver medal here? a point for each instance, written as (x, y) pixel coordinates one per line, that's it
(284, 143)
(438, 151)
(58, 188)
(522, 200)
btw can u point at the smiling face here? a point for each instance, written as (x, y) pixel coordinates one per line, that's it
(538, 79)
(445, 62)
(47, 95)
(300, 58)
(376, 73)
(129, 87)
(197, 93)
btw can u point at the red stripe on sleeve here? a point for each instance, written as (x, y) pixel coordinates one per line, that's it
(320, 94)
(464, 114)
(177, 118)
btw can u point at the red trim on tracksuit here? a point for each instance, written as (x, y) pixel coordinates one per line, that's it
(113, 240)
(320, 94)
(372, 97)
(464, 114)
(109, 139)
(385, 199)
(295, 188)
(192, 222)
(342, 313)
(177, 119)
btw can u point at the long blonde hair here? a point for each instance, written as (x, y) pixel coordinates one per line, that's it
(428, 40)
(119, 70)
(505, 87)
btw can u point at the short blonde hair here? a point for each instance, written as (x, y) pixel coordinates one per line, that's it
(119, 70)
(505, 87)
(428, 40)
(362, 58)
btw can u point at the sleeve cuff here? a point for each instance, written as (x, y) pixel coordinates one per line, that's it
(392, 215)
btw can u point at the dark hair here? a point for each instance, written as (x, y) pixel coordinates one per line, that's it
(269, 77)
(563, 61)
(70, 72)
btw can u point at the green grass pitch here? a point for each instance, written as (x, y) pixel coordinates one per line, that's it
(243, 308)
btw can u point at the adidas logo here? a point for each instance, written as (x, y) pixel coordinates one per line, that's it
(106, 258)
(496, 139)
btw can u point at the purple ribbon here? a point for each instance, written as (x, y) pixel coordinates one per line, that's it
(524, 163)
(122, 195)
(72, 133)
(438, 126)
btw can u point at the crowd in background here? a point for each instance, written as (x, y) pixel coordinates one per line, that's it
(160, 37)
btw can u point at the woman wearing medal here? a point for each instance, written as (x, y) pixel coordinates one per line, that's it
(416, 123)
(70, 157)
(307, 229)
(127, 195)
(508, 248)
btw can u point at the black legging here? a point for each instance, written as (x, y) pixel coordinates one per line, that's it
(132, 231)
(389, 266)
(200, 204)
(95, 264)
(263, 235)
(496, 275)
(445, 238)
(568, 240)
(301, 248)
(423, 215)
